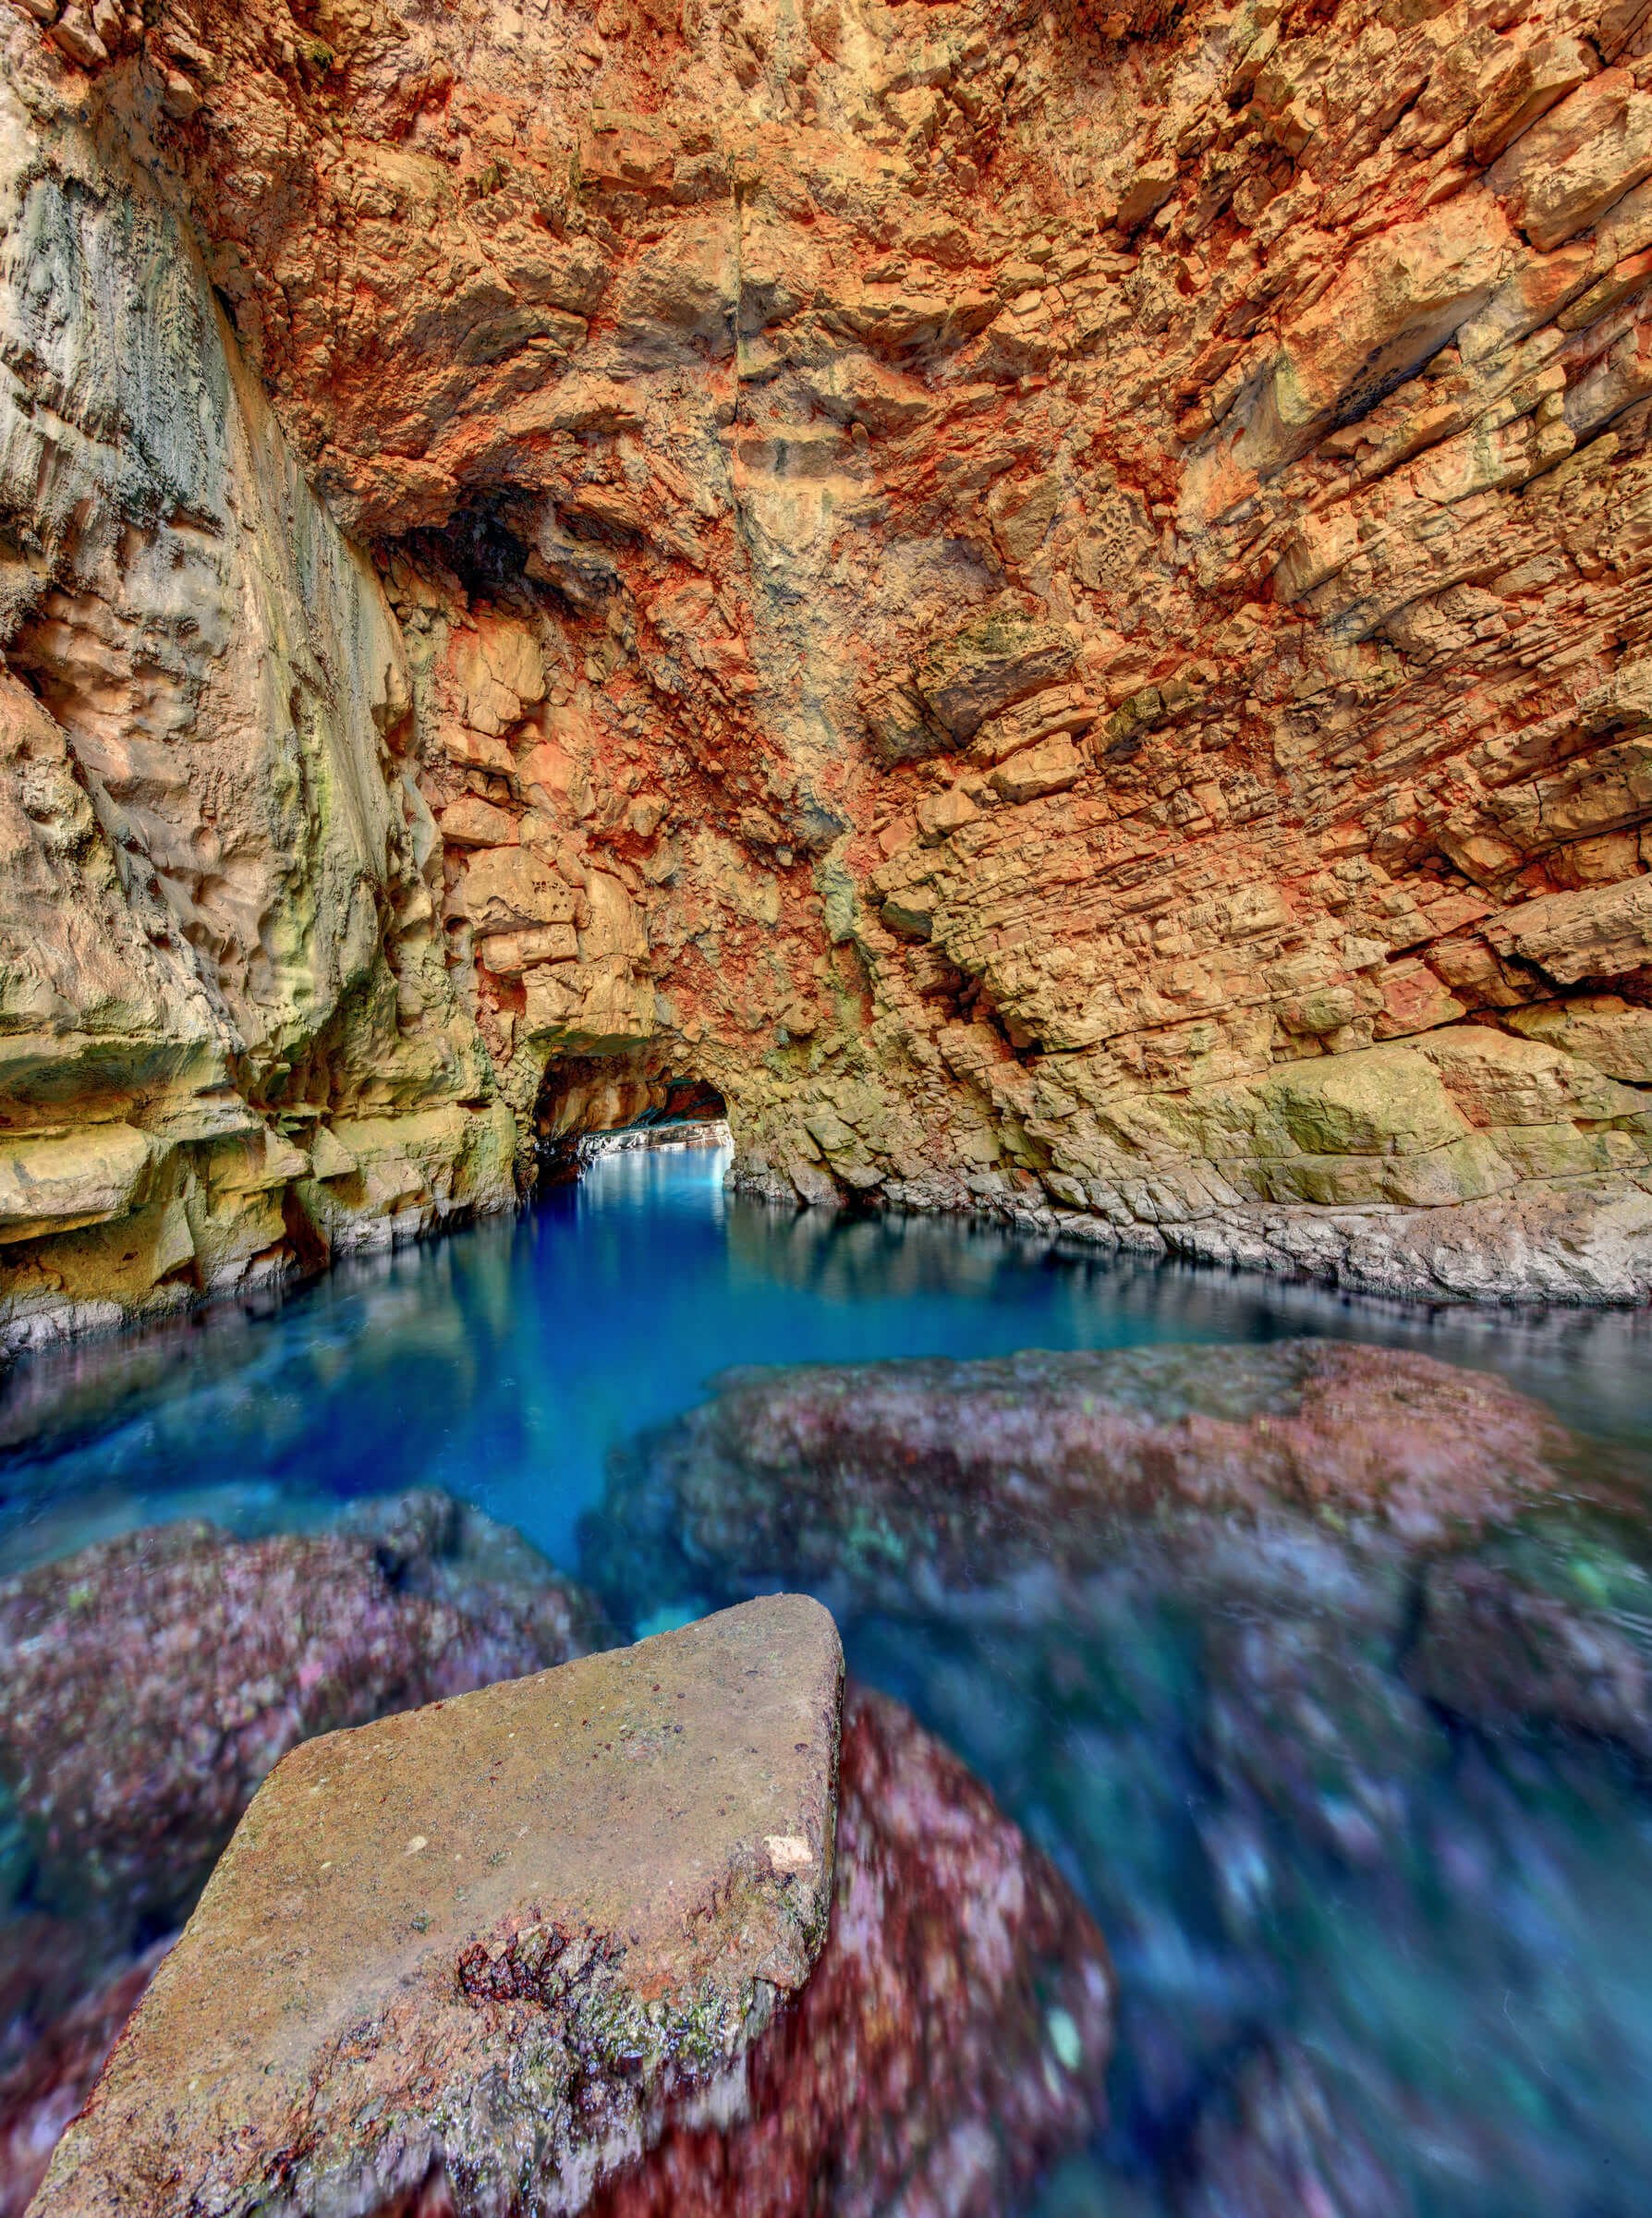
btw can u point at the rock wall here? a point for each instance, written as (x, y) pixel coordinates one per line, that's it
(1054, 604)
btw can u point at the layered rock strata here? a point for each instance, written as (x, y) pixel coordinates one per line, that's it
(1055, 605)
(489, 1939)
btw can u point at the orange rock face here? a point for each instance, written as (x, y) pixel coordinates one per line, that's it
(1056, 605)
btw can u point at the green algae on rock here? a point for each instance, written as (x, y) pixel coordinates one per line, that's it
(491, 1936)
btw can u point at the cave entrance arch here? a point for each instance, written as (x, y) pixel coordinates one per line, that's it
(589, 1104)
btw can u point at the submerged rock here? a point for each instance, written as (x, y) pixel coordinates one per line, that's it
(152, 1681)
(490, 1939)
(897, 1481)
(63, 2002)
(1502, 1655)
(1302, 1659)
(954, 2036)
(1278, 2143)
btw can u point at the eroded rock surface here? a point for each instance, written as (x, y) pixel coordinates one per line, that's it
(953, 2038)
(1057, 606)
(901, 1482)
(152, 1681)
(488, 1938)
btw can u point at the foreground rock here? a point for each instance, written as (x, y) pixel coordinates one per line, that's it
(953, 2039)
(490, 1938)
(954, 2036)
(897, 1482)
(63, 2002)
(152, 1681)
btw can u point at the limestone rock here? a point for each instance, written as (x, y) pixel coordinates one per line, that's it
(952, 2039)
(154, 1679)
(508, 1929)
(586, 483)
(876, 2074)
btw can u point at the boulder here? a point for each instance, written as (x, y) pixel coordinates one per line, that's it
(903, 1482)
(490, 1939)
(153, 1680)
(954, 2039)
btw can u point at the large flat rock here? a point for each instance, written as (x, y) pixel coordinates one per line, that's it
(497, 1935)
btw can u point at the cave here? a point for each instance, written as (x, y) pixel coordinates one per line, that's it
(1007, 650)
(588, 1107)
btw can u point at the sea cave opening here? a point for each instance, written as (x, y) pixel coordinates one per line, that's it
(588, 1109)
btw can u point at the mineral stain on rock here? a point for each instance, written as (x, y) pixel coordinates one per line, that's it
(1049, 607)
(576, 1943)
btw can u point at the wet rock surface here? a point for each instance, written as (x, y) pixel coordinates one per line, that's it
(924, 1478)
(153, 1680)
(1338, 1736)
(954, 2037)
(66, 1992)
(488, 1938)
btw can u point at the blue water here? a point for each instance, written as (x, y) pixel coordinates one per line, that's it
(1454, 2021)
(503, 1363)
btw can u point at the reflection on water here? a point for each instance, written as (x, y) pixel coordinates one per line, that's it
(1378, 1954)
(505, 1363)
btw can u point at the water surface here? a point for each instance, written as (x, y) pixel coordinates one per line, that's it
(1419, 1957)
(506, 1361)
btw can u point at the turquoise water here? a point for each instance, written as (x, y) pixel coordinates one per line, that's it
(504, 1362)
(1405, 1969)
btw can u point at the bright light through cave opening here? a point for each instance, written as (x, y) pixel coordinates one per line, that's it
(585, 1111)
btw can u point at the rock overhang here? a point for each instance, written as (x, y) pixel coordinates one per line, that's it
(1283, 391)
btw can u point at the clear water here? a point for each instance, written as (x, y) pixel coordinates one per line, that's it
(1464, 2006)
(504, 1362)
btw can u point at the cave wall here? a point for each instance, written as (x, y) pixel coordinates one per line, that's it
(1054, 603)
